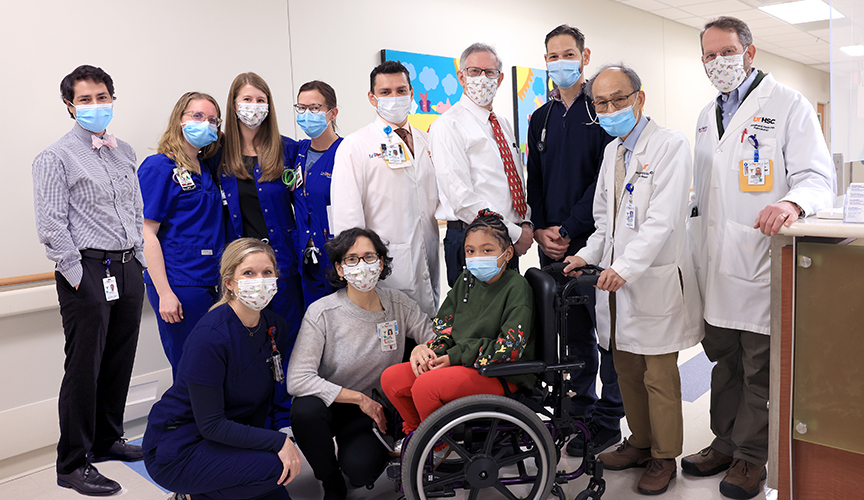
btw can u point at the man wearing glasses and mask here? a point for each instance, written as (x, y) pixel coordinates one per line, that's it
(648, 305)
(760, 163)
(477, 160)
(89, 217)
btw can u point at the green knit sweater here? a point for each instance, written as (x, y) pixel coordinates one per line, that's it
(479, 324)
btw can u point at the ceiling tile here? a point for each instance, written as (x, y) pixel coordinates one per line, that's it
(765, 22)
(680, 3)
(779, 30)
(718, 8)
(789, 39)
(695, 21)
(671, 13)
(649, 5)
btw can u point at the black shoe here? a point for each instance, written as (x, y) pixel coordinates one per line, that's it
(86, 480)
(334, 487)
(120, 450)
(602, 438)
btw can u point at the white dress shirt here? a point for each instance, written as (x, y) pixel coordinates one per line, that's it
(469, 168)
(397, 202)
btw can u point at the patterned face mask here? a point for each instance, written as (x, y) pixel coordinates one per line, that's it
(726, 72)
(256, 293)
(363, 276)
(481, 89)
(252, 114)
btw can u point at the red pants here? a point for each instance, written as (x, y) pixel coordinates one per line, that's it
(417, 397)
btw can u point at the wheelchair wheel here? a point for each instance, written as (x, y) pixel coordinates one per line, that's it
(499, 444)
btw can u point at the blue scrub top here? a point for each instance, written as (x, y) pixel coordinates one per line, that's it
(219, 353)
(276, 205)
(191, 230)
(311, 202)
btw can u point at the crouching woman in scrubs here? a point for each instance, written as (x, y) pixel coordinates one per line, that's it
(347, 340)
(183, 227)
(316, 116)
(205, 437)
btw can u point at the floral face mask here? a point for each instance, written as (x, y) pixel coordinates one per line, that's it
(256, 293)
(252, 114)
(363, 276)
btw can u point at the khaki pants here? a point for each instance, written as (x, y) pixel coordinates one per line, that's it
(651, 390)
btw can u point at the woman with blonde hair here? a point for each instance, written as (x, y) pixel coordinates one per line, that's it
(206, 436)
(184, 229)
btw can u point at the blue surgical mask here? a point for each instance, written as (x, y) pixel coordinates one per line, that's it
(564, 72)
(312, 124)
(94, 117)
(484, 268)
(199, 134)
(619, 123)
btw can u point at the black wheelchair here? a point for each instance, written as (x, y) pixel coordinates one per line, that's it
(509, 444)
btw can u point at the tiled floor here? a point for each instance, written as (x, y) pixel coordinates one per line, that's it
(620, 485)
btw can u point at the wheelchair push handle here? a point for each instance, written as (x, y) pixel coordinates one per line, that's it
(590, 273)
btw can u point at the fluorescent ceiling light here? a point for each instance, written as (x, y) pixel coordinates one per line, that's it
(853, 50)
(802, 11)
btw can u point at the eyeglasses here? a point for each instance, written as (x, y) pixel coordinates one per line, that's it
(201, 117)
(490, 73)
(617, 103)
(353, 260)
(728, 51)
(315, 108)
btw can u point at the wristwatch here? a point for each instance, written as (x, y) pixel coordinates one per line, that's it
(563, 232)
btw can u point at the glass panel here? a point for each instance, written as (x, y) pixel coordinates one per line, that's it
(828, 386)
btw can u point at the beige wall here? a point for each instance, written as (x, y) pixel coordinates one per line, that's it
(157, 49)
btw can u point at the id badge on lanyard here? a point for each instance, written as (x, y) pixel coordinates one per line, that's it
(109, 283)
(755, 174)
(275, 358)
(630, 208)
(394, 153)
(184, 178)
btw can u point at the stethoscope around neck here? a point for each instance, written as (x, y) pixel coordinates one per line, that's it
(541, 144)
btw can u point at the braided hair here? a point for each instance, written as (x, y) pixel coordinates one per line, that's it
(491, 223)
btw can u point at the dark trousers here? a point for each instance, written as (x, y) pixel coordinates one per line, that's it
(101, 340)
(454, 255)
(361, 456)
(216, 471)
(739, 392)
(607, 411)
(196, 301)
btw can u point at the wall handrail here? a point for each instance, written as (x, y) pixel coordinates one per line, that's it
(27, 278)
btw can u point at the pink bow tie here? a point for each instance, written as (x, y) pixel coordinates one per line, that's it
(109, 141)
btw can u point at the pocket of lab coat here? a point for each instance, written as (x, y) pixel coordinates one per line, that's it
(656, 293)
(403, 275)
(745, 253)
(696, 240)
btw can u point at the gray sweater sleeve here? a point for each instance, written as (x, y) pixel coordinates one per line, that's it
(302, 378)
(417, 323)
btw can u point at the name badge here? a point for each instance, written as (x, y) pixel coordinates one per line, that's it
(630, 215)
(110, 286)
(184, 178)
(756, 175)
(387, 332)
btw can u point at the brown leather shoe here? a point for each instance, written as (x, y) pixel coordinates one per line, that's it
(625, 457)
(657, 476)
(705, 463)
(743, 480)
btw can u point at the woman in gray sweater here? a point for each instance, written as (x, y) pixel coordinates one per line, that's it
(346, 341)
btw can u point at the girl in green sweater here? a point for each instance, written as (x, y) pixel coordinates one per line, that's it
(486, 318)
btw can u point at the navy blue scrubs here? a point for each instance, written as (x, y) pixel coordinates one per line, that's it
(311, 206)
(277, 207)
(221, 355)
(192, 235)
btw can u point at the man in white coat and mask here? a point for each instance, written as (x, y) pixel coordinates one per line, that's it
(648, 304)
(383, 180)
(760, 162)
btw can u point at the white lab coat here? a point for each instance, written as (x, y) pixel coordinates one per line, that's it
(732, 259)
(658, 309)
(397, 203)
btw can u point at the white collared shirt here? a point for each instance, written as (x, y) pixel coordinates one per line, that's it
(469, 168)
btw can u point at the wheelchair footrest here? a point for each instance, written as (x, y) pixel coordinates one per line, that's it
(394, 470)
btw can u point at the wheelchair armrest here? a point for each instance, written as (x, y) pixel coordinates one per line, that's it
(527, 367)
(514, 368)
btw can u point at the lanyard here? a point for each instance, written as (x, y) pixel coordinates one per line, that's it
(275, 359)
(755, 143)
(107, 268)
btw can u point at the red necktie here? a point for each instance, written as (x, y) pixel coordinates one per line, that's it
(516, 192)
